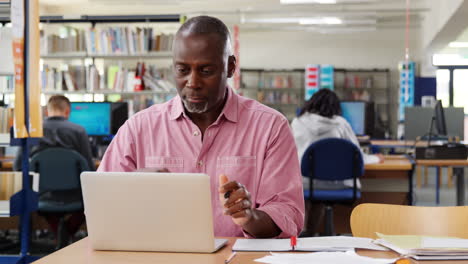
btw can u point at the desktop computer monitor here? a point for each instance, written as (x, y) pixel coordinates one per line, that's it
(119, 114)
(439, 117)
(94, 117)
(355, 113)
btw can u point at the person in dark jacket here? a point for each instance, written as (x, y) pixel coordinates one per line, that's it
(59, 132)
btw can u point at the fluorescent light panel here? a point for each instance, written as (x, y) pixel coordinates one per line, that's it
(329, 20)
(321, 21)
(458, 44)
(293, 2)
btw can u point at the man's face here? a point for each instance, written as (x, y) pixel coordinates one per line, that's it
(201, 68)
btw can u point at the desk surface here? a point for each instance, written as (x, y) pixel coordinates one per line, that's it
(428, 162)
(391, 162)
(80, 252)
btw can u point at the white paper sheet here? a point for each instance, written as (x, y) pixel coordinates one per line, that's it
(332, 243)
(434, 242)
(349, 257)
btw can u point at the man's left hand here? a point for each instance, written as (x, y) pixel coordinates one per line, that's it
(235, 199)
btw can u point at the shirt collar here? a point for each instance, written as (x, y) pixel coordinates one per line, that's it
(230, 110)
(56, 118)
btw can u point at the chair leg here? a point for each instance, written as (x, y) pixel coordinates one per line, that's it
(62, 234)
(449, 176)
(418, 177)
(426, 175)
(329, 230)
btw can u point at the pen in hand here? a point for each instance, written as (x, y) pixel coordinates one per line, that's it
(229, 259)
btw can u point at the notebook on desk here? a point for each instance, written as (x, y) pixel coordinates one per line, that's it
(141, 211)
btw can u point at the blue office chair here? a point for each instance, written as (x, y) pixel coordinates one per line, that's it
(59, 185)
(332, 159)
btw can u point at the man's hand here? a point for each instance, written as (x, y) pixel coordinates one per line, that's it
(235, 200)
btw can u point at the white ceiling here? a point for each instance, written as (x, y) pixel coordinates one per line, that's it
(359, 14)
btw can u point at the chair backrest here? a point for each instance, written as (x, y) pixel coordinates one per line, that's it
(332, 159)
(59, 169)
(389, 219)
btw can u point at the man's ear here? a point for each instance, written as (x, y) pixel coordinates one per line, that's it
(232, 64)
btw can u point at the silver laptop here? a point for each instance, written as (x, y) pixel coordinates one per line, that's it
(141, 211)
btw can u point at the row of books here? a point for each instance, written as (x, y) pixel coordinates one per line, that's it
(106, 41)
(69, 40)
(124, 40)
(278, 98)
(268, 81)
(6, 119)
(278, 81)
(116, 78)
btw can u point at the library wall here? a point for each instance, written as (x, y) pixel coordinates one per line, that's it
(294, 49)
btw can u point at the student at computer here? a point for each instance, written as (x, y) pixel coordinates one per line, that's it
(321, 118)
(246, 148)
(59, 132)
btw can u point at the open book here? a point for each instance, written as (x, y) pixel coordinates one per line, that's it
(426, 247)
(335, 243)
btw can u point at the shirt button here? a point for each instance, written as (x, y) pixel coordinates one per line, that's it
(200, 163)
(196, 133)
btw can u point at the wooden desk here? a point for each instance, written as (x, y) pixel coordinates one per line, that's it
(80, 252)
(398, 143)
(395, 168)
(458, 171)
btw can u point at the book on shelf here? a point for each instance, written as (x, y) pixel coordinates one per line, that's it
(6, 119)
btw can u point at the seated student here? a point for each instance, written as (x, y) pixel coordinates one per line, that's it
(59, 132)
(321, 118)
(246, 148)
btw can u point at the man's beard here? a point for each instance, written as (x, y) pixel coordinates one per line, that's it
(195, 108)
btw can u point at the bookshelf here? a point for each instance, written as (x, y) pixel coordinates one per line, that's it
(109, 58)
(370, 85)
(279, 89)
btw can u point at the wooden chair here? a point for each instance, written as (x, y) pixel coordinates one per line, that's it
(366, 219)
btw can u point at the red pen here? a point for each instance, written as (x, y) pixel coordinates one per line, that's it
(293, 242)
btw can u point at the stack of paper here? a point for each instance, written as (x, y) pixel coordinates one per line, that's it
(426, 248)
(335, 243)
(349, 257)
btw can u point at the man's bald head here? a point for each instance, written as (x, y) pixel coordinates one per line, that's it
(206, 25)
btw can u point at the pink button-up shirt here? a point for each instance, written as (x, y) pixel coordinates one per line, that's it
(249, 142)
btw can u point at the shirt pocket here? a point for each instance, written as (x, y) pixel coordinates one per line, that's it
(173, 164)
(238, 168)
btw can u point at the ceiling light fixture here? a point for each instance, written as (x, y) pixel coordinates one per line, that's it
(458, 44)
(321, 21)
(292, 2)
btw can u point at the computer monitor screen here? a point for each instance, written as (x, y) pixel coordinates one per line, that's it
(119, 115)
(355, 114)
(440, 119)
(94, 117)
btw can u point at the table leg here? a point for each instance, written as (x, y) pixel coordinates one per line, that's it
(410, 186)
(438, 185)
(460, 174)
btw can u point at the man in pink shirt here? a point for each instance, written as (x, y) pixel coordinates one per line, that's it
(246, 148)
